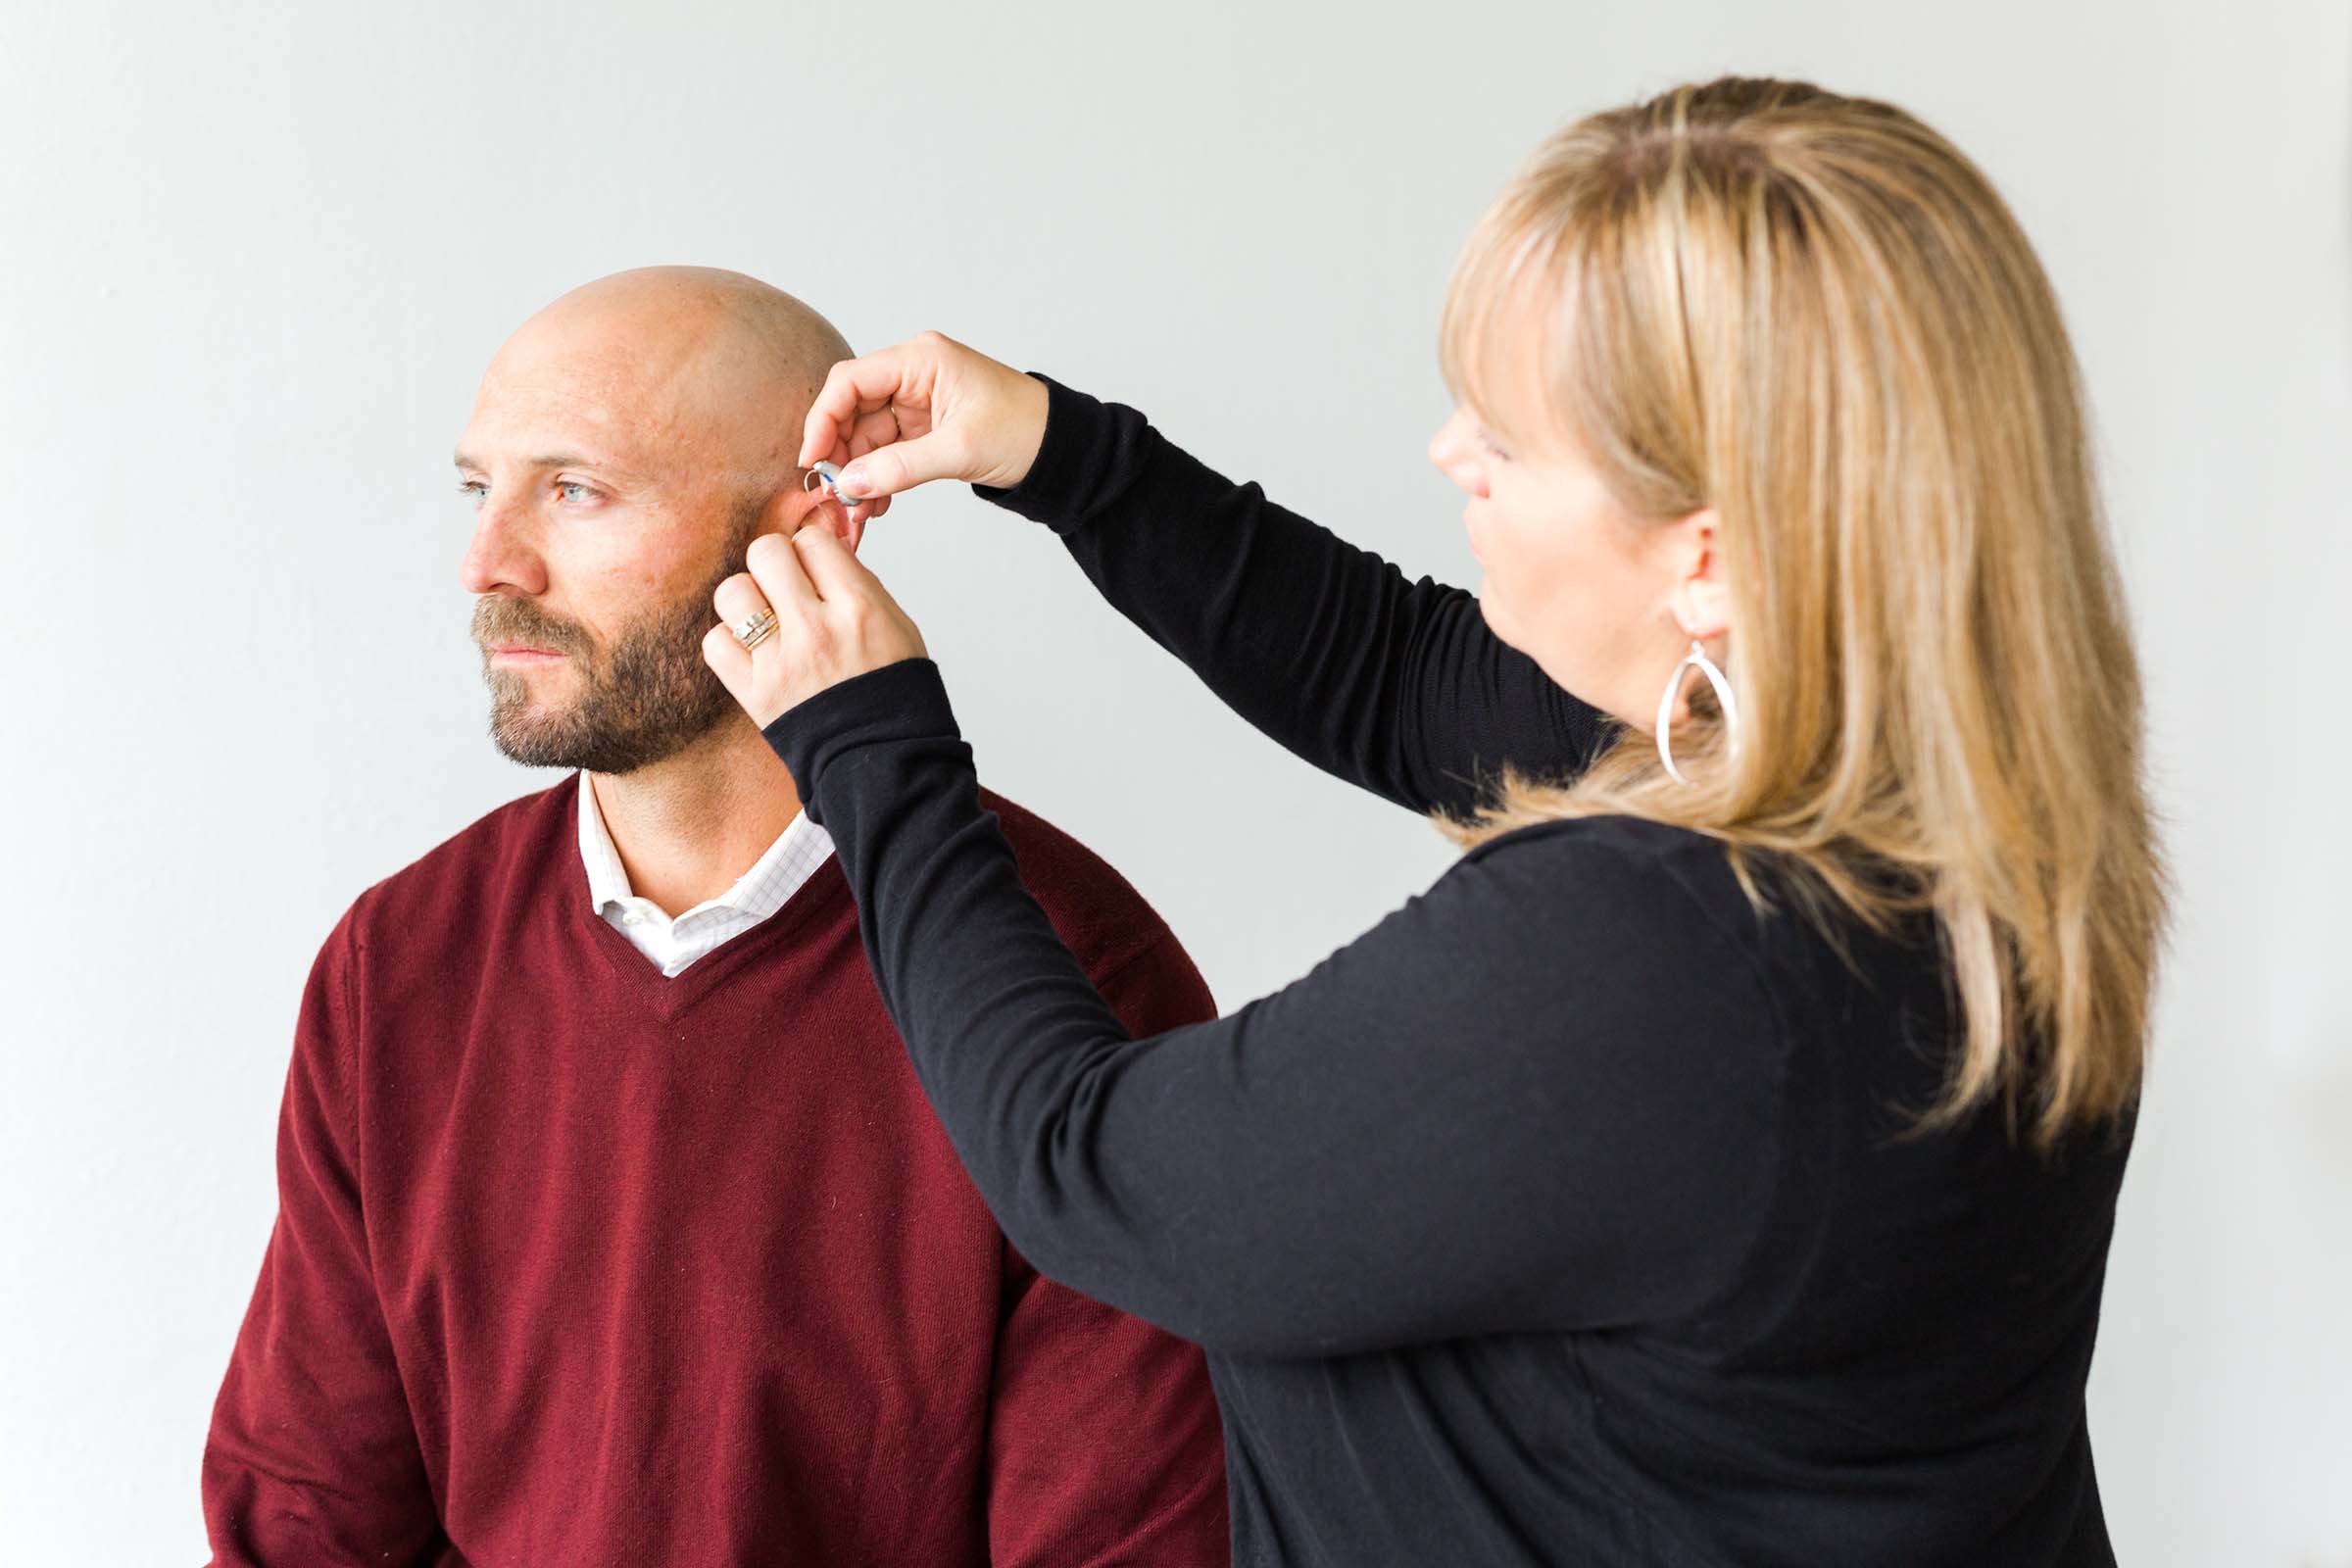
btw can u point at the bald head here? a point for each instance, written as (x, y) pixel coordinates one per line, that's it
(627, 443)
(682, 376)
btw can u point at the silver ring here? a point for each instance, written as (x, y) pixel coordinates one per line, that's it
(752, 630)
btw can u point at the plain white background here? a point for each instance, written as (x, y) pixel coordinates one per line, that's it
(252, 260)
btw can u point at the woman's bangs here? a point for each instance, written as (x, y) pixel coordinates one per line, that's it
(1499, 315)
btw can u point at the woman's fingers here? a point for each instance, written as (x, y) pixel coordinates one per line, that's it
(773, 568)
(923, 410)
(833, 620)
(880, 429)
(839, 577)
(738, 600)
(861, 386)
(903, 465)
(729, 661)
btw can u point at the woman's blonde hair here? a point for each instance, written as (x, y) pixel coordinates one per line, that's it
(1812, 314)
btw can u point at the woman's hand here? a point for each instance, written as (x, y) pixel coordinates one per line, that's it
(928, 409)
(834, 619)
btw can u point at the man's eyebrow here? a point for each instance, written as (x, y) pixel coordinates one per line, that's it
(553, 460)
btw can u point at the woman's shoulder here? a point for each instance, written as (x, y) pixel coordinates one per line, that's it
(1774, 918)
(1636, 885)
(1583, 858)
(1599, 903)
(1637, 837)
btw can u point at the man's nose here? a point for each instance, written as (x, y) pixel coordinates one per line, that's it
(1456, 453)
(500, 554)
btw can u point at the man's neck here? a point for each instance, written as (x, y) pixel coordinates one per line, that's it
(688, 827)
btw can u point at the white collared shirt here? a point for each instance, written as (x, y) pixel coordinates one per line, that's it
(672, 945)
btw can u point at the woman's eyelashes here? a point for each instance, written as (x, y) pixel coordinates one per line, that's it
(1486, 439)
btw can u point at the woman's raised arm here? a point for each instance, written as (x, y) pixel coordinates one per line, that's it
(1396, 685)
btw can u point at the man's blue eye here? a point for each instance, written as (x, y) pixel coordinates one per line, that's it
(572, 484)
(470, 487)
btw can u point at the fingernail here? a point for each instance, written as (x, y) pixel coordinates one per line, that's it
(853, 478)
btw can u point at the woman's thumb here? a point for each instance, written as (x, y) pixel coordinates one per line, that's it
(900, 466)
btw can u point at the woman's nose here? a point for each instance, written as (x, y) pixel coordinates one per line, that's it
(1455, 453)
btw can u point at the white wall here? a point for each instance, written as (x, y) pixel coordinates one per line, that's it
(253, 259)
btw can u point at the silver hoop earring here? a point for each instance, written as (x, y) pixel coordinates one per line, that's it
(1723, 696)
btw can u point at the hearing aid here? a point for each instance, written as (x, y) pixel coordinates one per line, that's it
(830, 474)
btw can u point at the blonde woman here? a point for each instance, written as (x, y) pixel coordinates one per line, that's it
(1717, 1165)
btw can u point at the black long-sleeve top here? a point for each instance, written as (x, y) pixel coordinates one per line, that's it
(1564, 1216)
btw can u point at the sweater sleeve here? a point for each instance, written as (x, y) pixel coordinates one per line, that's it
(1539, 1096)
(1103, 1443)
(311, 1456)
(1395, 686)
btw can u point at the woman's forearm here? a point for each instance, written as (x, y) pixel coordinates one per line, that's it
(1395, 685)
(1349, 1164)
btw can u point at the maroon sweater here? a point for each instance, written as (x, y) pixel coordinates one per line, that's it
(578, 1265)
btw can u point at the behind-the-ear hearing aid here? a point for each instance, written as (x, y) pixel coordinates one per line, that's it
(830, 474)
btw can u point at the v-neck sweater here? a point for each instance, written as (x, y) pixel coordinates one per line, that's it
(577, 1263)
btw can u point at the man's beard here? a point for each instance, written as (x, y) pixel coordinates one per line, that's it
(644, 698)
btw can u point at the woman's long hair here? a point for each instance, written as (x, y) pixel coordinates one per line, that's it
(1812, 314)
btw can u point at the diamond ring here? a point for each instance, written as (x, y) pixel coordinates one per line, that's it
(752, 630)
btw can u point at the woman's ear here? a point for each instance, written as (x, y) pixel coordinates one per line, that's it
(1702, 600)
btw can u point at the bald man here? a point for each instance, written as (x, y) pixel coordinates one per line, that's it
(612, 1225)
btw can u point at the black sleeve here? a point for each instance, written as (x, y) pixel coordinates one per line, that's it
(1505, 1107)
(1396, 686)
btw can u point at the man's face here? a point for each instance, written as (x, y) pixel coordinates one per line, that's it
(609, 513)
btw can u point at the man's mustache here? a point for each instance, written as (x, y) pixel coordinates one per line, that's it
(516, 622)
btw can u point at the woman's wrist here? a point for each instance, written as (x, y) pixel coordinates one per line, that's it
(899, 701)
(1069, 461)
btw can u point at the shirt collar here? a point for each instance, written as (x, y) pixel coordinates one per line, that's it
(607, 883)
(754, 892)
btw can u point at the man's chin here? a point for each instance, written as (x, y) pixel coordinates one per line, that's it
(549, 735)
(530, 750)
(531, 729)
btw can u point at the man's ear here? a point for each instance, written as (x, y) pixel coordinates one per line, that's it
(1702, 598)
(802, 509)
(837, 517)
